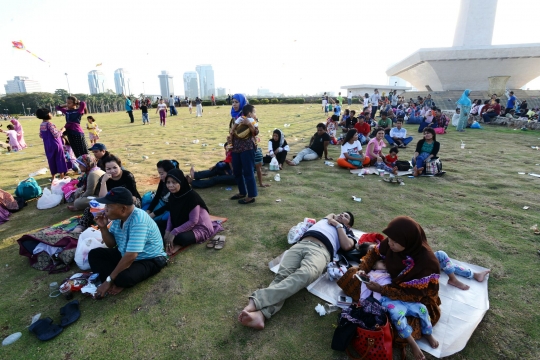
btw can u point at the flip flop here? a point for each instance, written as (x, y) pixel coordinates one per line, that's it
(44, 329)
(70, 313)
(244, 202)
(212, 242)
(220, 243)
(237, 196)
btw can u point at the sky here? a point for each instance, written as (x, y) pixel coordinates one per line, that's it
(291, 47)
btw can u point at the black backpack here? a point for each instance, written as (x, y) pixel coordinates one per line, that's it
(403, 165)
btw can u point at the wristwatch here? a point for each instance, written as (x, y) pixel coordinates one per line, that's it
(339, 226)
(109, 280)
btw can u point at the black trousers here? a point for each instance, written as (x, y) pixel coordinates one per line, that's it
(185, 238)
(77, 142)
(280, 157)
(130, 113)
(104, 261)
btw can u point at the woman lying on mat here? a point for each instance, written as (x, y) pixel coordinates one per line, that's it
(189, 221)
(412, 298)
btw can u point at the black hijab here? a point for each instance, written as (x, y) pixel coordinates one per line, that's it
(281, 140)
(182, 202)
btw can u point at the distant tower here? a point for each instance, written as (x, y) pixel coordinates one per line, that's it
(22, 84)
(96, 82)
(475, 24)
(122, 82)
(166, 84)
(206, 80)
(191, 84)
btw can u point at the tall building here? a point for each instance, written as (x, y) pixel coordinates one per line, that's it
(22, 84)
(96, 82)
(166, 84)
(191, 84)
(122, 82)
(221, 92)
(206, 80)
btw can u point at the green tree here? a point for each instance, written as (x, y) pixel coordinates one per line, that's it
(61, 93)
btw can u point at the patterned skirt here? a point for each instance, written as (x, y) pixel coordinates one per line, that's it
(78, 142)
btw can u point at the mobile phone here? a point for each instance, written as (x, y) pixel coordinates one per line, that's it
(363, 278)
(345, 299)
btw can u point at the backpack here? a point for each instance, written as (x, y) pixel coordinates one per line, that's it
(28, 189)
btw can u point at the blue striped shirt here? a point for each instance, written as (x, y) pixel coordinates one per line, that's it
(139, 234)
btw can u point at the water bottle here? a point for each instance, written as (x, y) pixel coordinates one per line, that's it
(277, 177)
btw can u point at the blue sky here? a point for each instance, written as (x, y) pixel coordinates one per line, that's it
(286, 46)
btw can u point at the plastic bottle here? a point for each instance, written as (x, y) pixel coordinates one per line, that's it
(277, 177)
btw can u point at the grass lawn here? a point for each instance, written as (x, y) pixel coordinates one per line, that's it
(188, 311)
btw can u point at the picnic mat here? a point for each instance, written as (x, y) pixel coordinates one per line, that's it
(461, 310)
(374, 171)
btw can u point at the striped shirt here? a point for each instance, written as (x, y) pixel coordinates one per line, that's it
(139, 234)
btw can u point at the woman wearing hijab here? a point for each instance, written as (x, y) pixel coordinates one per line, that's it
(189, 221)
(20, 133)
(464, 104)
(158, 209)
(412, 298)
(87, 183)
(278, 148)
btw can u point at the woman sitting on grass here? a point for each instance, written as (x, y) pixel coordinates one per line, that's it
(426, 149)
(87, 183)
(412, 298)
(375, 146)
(278, 148)
(189, 221)
(351, 152)
(158, 209)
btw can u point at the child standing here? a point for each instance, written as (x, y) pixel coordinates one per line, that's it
(52, 140)
(93, 130)
(162, 108)
(144, 110)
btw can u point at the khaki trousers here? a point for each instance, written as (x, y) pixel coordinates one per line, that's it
(301, 265)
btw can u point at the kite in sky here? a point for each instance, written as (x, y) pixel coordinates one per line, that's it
(99, 64)
(19, 45)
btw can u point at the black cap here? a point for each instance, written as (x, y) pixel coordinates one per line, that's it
(117, 195)
(98, 146)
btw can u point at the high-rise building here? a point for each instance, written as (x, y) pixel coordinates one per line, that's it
(22, 84)
(122, 82)
(221, 92)
(166, 84)
(191, 84)
(96, 82)
(206, 80)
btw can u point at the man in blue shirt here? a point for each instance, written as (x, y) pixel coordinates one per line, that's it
(134, 245)
(511, 103)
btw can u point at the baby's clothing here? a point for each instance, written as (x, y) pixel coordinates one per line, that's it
(381, 277)
(92, 128)
(251, 120)
(383, 166)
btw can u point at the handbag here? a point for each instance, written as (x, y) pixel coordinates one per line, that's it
(375, 344)
(433, 167)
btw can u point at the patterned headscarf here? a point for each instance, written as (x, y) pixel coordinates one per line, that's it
(88, 161)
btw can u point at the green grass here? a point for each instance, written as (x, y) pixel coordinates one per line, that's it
(189, 310)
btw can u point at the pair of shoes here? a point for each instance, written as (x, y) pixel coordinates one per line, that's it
(244, 202)
(218, 242)
(237, 196)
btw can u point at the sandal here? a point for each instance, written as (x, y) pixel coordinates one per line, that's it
(244, 202)
(212, 242)
(220, 242)
(237, 196)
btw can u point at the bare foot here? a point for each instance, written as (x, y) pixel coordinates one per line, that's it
(280, 167)
(458, 284)
(253, 319)
(432, 341)
(290, 163)
(481, 275)
(420, 171)
(192, 172)
(114, 290)
(173, 250)
(264, 185)
(250, 306)
(395, 170)
(418, 354)
(415, 171)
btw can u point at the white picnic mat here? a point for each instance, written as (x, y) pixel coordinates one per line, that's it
(373, 170)
(461, 311)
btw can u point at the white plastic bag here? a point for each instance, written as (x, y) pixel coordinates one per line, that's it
(48, 200)
(88, 240)
(274, 165)
(57, 184)
(298, 231)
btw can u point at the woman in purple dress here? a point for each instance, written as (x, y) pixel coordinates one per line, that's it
(52, 140)
(73, 110)
(20, 133)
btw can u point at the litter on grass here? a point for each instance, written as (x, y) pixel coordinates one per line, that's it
(525, 208)
(278, 200)
(356, 198)
(535, 229)
(41, 171)
(521, 173)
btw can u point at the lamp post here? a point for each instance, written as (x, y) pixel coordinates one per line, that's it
(69, 90)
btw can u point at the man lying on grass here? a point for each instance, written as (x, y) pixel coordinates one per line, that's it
(134, 246)
(301, 265)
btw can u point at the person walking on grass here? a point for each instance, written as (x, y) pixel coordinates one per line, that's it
(162, 108)
(171, 106)
(144, 110)
(198, 105)
(129, 109)
(464, 104)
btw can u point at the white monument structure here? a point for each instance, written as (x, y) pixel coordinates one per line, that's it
(472, 62)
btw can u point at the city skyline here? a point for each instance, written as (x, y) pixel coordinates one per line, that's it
(290, 60)
(122, 82)
(97, 82)
(22, 84)
(166, 84)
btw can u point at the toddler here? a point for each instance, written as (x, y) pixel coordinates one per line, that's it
(93, 130)
(391, 158)
(377, 275)
(144, 110)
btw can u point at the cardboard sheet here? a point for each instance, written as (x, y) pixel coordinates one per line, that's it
(374, 171)
(461, 311)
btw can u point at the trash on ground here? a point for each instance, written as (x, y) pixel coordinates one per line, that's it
(525, 208)
(320, 310)
(356, 198)
(41, 171)
(278, 200)
(228, 188)
(521, 173)
(535, 229)
(11, 339)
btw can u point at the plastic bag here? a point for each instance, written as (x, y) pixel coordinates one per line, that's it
(297, 231)
(96, 208)
(274, 165)
(476, 125)
(48, 200)
(88, 240)
(58, 184)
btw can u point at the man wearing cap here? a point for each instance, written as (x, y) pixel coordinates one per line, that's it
(134, 249)
(100, 153)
